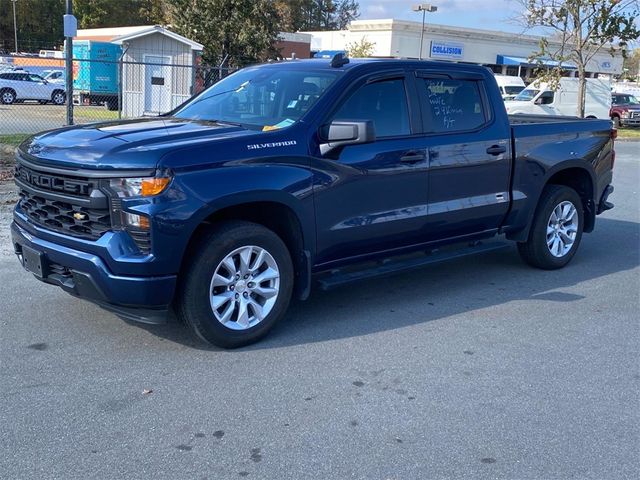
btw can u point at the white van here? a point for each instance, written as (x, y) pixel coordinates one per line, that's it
(539, 99)
(509, 86)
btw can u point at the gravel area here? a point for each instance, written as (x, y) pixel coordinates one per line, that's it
(8, 198)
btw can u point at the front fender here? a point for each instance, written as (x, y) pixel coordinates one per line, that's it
(287, 184)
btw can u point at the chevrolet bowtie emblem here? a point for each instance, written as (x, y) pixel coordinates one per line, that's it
(79, 216)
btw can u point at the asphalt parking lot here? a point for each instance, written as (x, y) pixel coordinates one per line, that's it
(477, 368)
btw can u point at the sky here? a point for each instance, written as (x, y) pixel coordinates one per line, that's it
(487, 14)
(499, 15)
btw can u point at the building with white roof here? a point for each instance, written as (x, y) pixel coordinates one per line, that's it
(505, 53)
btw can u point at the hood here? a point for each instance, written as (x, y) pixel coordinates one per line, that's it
(128, 144)
(629, 107)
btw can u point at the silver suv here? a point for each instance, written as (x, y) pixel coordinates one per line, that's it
(19, 86)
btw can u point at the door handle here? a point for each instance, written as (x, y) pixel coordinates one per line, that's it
(496, 149)
(413, 157)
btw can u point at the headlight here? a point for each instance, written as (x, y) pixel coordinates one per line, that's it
(142, 186)
(624, 114)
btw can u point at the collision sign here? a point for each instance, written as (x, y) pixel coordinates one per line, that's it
(447, 50)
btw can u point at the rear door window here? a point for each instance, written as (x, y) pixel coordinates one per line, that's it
(453, 105)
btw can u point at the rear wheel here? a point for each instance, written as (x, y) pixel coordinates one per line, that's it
(112, 104)
(556, 230)
(58, 97)
(237, 285)
(8, 96)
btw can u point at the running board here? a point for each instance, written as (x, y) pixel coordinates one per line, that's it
(389, 266)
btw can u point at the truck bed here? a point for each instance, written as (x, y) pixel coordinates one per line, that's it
(522, 118)
(556, 127)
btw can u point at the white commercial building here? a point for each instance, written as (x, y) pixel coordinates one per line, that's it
(505, 53)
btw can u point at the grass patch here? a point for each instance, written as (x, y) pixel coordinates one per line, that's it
(13, 139)
(629, 133)
(93, 114)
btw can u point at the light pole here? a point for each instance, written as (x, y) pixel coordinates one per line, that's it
(15, 25)
(424, 8)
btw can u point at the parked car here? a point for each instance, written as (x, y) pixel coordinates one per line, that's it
(20, 86)
(287, 174)
(540, 99)
(55, 76)
(509, 86)
(625, 110)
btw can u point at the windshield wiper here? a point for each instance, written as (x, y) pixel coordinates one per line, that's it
(225, 122)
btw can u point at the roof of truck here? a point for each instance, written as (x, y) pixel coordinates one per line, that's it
(358, 62)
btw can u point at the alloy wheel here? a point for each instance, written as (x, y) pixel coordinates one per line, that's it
(562, 229)
(244, 287)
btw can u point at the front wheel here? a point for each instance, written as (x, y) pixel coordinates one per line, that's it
(556, 230)
(616, 122)
(237, 284)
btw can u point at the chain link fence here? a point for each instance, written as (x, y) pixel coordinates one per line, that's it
(110, 82)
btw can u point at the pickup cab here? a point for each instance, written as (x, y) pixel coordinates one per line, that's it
(625, 110)
(300, 173)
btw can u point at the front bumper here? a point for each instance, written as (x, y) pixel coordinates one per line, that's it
(86, 275)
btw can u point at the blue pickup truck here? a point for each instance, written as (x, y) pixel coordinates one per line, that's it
(293, 174)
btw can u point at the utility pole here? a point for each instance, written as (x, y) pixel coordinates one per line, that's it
(15, 26)
(422, 33)
(70, 31)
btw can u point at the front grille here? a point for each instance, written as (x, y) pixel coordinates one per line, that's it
(72, 204)
(634, 115)
(64, 217)
(54, 182)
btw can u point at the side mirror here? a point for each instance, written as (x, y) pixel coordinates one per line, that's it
(538, 101)
(343, 132)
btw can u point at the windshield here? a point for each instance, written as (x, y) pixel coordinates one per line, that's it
(526, 95)
(260, 98)
(625, 100)
(513, 90)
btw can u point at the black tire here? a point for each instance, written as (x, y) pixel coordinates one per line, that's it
(535, 250)
(616, 121)
(193, 300)
(112, 104)
(58, 97)
(7, 96)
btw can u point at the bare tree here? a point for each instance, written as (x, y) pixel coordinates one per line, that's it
(581, 29)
